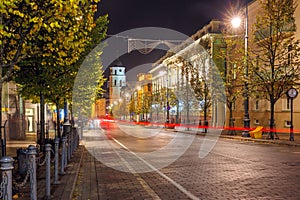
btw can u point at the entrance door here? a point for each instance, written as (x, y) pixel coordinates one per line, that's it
(30, 124)
(30, 119)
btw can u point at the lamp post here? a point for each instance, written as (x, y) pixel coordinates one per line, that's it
(236, 23)
(167, 96)
(292, 93)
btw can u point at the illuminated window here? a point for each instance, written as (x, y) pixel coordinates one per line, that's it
(256, 104)
(287, 123)
(286, 104)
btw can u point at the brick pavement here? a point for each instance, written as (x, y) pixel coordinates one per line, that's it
(87, 178)
(97, 181)
(283, 139)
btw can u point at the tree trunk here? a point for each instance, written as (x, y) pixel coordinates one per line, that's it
(205, 107)
(230, 115)
(66, 113)
(57, 121)
(231, 120)
(272, 125)
(42, 123)
(2, 141)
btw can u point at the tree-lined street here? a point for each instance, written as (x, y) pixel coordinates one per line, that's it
(212, 117)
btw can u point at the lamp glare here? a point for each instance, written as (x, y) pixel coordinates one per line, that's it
(236, 22)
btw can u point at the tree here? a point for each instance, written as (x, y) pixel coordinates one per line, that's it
(132, 108)
(232, 72)
(197, 69)
(87, 87)
(186, 91)
(60, 44)
(276, 63)
(19, 21)
(199, 82)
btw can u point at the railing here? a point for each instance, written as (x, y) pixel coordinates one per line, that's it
(32, 160)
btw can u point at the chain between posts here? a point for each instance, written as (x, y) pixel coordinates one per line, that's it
(69, 145)
(23, 183)
(43, 162)
(2, 185)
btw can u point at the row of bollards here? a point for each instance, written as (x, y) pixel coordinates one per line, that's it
(70, 142)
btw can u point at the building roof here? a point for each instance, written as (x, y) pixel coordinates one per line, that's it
(117, 63)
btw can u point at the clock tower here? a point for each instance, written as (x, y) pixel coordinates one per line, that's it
(117, 80)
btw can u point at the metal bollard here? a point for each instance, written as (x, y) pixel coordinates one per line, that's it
(48, 172)
(66, 152)
(77, 138)
(31, 152)
(69, 147)
(6, 185)
(56, 160)
(63, 155)
(71, 143)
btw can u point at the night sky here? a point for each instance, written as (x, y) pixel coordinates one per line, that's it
(185, 16)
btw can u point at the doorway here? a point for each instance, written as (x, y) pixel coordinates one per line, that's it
(30, 119)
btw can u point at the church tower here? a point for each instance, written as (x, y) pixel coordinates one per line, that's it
(117, 80)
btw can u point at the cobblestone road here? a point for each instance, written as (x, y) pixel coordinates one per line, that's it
(232, 170)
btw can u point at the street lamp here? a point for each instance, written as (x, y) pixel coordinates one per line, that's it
(236, 23)
(167, 97)
(292, 93)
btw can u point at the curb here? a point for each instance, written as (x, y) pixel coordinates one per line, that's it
(76, 175)
(248, 139)
(264, 141)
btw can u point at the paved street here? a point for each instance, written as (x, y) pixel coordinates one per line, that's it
(140, 166)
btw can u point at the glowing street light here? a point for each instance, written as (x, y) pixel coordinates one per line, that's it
(236, 22)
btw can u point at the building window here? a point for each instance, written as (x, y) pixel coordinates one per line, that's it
(120, 83)
(256, 122)
(149, 87)
(286, 104)
(287, 123)
(234, 71)
(115, 83)
(256, 104)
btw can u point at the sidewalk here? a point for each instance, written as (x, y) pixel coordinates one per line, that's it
(64, 189)
(283, 137)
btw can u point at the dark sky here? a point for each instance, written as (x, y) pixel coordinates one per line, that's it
(185, 16)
